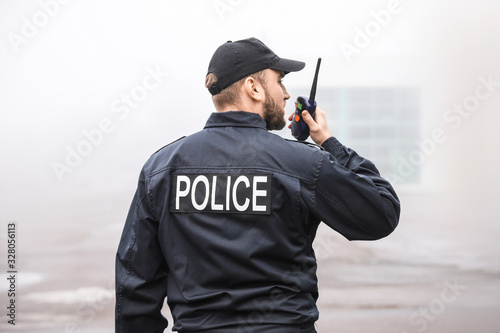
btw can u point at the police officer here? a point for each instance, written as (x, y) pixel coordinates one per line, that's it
(223, 221)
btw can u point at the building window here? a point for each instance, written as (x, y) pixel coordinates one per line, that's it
(381, 124)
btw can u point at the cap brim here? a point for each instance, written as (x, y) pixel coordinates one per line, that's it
(288, 65)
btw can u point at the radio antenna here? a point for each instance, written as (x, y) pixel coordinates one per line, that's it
(312, 95)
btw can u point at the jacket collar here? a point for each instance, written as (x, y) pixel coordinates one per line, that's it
(235, 119)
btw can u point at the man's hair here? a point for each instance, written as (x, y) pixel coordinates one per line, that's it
(231, 94)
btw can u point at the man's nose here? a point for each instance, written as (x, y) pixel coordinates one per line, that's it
(287, 95)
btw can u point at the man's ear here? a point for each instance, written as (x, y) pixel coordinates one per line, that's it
(253, 89)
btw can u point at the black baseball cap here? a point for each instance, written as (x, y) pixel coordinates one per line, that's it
(233, 61)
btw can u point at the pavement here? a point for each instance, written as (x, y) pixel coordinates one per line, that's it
(433, 274)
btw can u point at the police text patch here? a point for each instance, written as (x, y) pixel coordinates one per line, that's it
(248, 193)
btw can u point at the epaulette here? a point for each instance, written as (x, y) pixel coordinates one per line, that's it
(182, 137)
(310, 144)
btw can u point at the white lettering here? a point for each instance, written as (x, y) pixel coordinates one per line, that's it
(204, 180)
(182, 193)
(214, 188)
(239, 207)
(258, 193)
(228, 191)
(249, 193)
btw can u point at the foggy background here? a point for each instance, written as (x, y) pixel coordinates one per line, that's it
(90, 89)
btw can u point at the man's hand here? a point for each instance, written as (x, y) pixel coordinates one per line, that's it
(318, 128)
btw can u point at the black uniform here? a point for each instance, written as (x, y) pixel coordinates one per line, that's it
(223, 221)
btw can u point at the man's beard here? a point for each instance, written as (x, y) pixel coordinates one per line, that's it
(273, 115)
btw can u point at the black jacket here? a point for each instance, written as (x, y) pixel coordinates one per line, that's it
(223, 221)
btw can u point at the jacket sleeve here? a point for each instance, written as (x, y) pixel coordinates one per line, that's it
(350, 196)
(140, 270)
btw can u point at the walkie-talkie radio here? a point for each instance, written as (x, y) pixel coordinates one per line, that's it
(300, 130)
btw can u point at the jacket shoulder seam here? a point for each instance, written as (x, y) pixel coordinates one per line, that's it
(307, 143)
(179, 139)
